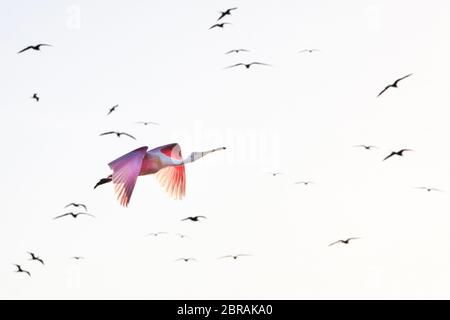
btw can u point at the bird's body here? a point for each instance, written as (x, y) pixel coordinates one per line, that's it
(77, 258)
(274, 174)
(236, 51)
(345, 241)
(36, 258)
(19, 269)
(112, 109)
(165, 161)
(76, 205)
(36, 47)
(366, 147)
(155, 234)
(395, 84)
(186, 259)
(118, 134)
(305, 183)
(146, 123)
(219, 25)
(73, 215)
(397, 153)
(182, 236)
(35, 97)
(247, 65)
(194, 219)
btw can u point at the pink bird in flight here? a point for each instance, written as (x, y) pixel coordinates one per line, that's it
(166, 162)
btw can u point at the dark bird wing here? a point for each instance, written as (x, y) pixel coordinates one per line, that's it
(63, 215)
(336, 242)
(25, 49)
(112, 109)
(70, 204)
(353, 238)
(86, 214)
(224, 257)
(215, 25)
(392, 153)
(398, 80)
(404, 150)
(384, 90)
(129, 135)
(235, 65)
(83, 205)
(27, 272)
(109, 132)
(44, 45)
(260, 63)
(201, 217)
(188, 218)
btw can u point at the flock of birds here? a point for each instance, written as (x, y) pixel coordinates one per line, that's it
(167, 163)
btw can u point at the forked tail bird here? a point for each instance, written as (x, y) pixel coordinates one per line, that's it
(166, 162)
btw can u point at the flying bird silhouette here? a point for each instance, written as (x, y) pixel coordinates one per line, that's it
(19, 269)
(346, 241)
(34, 257)
(155, 234)
(194, 219)
(77, 258)
(35, 97)
(219, 25)
(237, 51)
(308, 50)
(397, 153)
(74, 215)
(118, 134)
(226, 13)
(247, 65)
(367, 147)
(182, 236)
(166, 162)
(274, 174)
(76, 205)
(112, 109)
(146, 123)
(36, 47)
(235, 256)
(429, 189)
(186, 259)
(306, 183)
(394, 85)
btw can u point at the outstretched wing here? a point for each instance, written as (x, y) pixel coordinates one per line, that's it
(25, 49)
(384, 90)
(173, 178)
(125, 172)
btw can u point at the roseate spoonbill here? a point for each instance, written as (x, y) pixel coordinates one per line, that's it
(346, 241)
(394, 85)
(73, 204)
(194, 219)
(397, 153)
(19, 269)
(34, 257)
(166, 162)
(226, 13)
(36, 47)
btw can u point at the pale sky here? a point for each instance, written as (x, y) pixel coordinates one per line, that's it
(301, 116)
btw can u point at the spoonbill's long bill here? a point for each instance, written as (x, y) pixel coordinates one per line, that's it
(166, 162)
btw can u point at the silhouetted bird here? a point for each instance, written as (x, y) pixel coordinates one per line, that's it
(235, 256)
(346, 241)
(306, 183)
(219, 25)
(36, 47)
(146, 123)
(247, 65)
(186, 259)
(112, 109)
(35, 96)
(195, 219)
(367, 147)
(308, 50)
(237, 51)
(397, 153)
(226, 13)
(34, 257)
(274, 174)
(19, 269)
(182, 236)
(103, 181)
(76, 205)
(394, 85)
(155, 234)
(74, 215)
(77, 258)
(118, 134)
(429, 189)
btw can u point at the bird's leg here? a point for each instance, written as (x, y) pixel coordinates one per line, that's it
(103, 181)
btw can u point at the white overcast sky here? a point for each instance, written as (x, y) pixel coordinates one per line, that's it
(301, 116)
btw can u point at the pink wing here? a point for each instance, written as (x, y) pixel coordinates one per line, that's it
(125, 172)
(173, 179)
